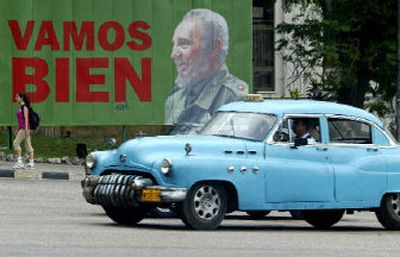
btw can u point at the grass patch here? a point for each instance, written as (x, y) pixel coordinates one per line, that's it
(47, 147)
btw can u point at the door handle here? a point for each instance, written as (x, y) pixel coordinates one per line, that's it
(372, 149)
(322, 148)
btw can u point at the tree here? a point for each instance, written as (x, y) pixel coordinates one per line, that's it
(341, 46)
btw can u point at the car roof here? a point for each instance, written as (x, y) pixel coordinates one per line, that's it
(280, 107)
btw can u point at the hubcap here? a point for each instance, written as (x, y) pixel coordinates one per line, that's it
(207, 202)
(395, 202)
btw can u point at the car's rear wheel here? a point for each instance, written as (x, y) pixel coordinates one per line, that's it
(323, 219)
(125, 216)
(258, 214)
(204, 207)
(388, 213)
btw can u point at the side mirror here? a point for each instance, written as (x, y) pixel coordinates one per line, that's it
(281, 136)
(112, 143)
(300, 142)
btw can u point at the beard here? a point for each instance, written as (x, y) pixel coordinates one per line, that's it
(194, 72)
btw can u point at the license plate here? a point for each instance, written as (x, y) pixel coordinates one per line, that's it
(150, 195)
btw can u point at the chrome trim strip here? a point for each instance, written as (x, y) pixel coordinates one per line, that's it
(173, 195)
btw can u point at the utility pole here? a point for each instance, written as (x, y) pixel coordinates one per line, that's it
(398, 74)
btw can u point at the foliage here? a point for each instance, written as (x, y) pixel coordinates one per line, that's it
(340, 46)
(295, 93)
(379, 107)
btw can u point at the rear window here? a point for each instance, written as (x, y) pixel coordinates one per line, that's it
(349, 131)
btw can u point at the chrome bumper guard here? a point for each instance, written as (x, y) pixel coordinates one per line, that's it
(125, 190)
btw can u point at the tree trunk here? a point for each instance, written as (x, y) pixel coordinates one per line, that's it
(354, 94)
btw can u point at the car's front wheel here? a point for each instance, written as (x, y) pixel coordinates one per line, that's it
(323, 219)
(204, 207)
(125, 216)
(388, 213)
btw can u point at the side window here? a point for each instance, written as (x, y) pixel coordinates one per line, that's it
(349, 131)
(291, 128)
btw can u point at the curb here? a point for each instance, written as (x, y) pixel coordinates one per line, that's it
(55, 175)
(6, 173)
(36, 175)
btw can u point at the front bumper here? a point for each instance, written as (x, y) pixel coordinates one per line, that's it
(127, 191)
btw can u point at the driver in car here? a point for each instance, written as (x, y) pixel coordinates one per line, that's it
(301, 129)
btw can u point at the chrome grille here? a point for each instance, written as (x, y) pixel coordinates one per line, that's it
(118, 190)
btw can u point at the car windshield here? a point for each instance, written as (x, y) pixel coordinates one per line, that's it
(253, 126)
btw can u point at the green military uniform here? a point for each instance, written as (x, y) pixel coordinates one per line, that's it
(195, 104)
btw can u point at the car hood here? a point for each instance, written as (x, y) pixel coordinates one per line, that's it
(145, 151)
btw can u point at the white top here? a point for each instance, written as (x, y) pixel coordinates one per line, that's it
(310, 139)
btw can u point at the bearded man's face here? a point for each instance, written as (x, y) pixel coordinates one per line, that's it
(191, 53)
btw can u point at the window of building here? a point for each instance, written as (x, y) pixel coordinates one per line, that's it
(263, 45)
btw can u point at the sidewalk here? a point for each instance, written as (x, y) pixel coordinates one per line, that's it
(43, 171)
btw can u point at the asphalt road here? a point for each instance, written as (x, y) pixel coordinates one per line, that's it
(50, 218)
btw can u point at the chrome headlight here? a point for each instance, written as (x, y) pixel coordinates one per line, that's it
(91, 161)
(166, 166)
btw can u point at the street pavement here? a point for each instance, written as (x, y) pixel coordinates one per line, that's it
(43, 171)
(50, 218)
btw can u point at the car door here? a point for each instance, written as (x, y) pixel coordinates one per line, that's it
(391, 151)
(357, 161)
(298, 174)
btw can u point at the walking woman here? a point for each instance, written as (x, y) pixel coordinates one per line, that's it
(23, 133)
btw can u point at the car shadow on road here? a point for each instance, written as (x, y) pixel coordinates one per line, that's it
(92, 214)
(247, 217)
(304, 228)
(258, 225)
(269, 228)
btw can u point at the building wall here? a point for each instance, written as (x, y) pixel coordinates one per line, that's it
(283, 72)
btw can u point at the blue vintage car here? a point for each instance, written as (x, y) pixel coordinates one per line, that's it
(320, 158)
